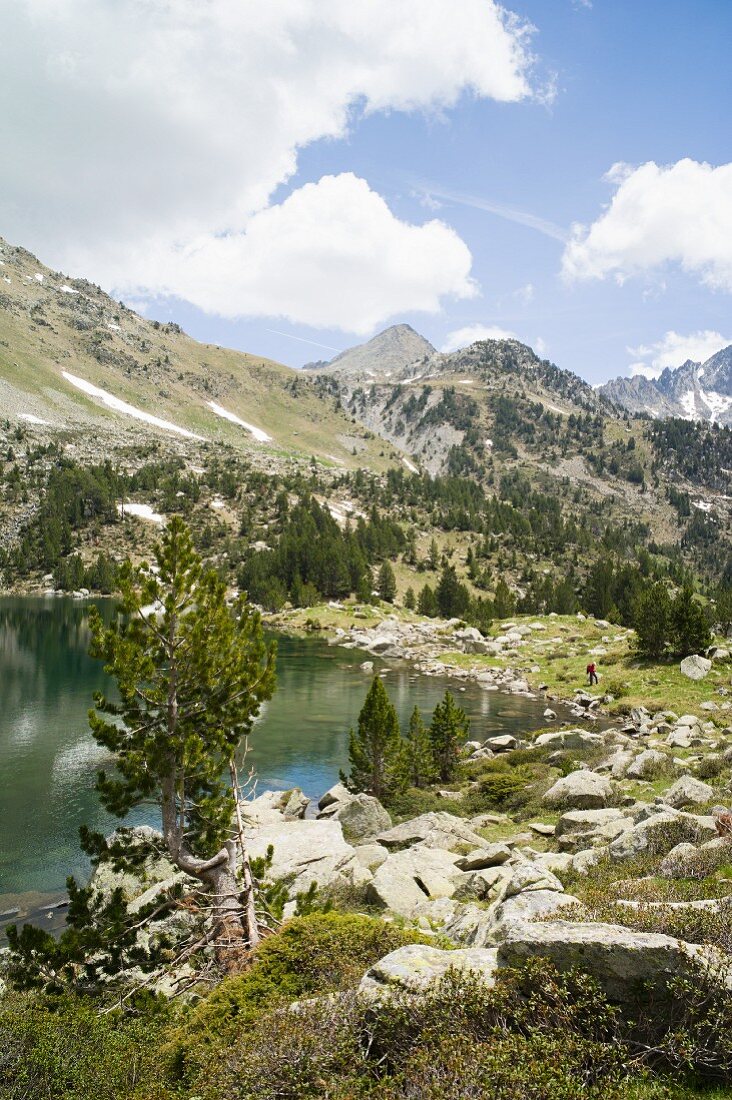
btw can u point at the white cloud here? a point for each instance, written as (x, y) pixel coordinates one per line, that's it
(145, 129)
(463, 337)
(673, 349)
(540, 346)
(332, 254)
(659, 215)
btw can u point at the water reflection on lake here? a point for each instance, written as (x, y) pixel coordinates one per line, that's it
(48, 759)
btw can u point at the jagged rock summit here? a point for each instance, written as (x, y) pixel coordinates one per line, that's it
(383, 355)
(693, 391)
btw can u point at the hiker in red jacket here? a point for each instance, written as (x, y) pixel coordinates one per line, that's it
(592, 673)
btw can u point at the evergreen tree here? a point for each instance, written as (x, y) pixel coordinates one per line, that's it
(191, 675)
(365, 584)
(433, 560)
(387, 582)
(723, 608)
(191, 680)
(420, 765)
(410, 600)
(448, 731)
(427, 604)
(689, 624)
(452, 597)
(652, 620)
(504, 603)
(564, 600)
(375, 748)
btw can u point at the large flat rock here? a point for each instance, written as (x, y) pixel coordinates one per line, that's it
(413, 968)
(306, 852)
(623, 962)
(436, 830)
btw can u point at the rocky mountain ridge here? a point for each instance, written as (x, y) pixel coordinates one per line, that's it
(692, 391)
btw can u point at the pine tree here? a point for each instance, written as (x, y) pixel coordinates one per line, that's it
(191, 677)
(652, 620)
(387, 583)
(427, 604)
(689, 623)
(434, 556)
(504, 602)
(448, 731)
(723, 608)
(375, 748)
(365, 586)
(410, 600)
(419, 762)
(191, 674)
(452, 597)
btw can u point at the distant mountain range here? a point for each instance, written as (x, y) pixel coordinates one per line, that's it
(693, 391)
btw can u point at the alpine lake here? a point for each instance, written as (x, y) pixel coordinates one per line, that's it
(49, 760)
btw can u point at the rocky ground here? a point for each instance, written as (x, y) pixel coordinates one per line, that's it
(626, 831)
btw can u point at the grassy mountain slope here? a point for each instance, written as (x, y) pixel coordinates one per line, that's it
(50, 325)
(537, 474)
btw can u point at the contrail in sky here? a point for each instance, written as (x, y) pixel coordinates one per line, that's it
(510, 213)
(302, 340)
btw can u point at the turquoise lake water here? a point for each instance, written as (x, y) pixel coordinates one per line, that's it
(48, 758)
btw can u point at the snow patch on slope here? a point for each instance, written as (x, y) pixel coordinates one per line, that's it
(142, 511)
(258, 434)
(120, 406)
(342, 511)
(688, 404)
(31, 419)
(718, 403)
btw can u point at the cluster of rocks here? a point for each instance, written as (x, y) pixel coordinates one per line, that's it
(426, 643)
(439, 872)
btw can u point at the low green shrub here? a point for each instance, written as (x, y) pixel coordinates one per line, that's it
(504, 788)
(404, 805)
(711, 767)
(68, 1049)
(536, 1035)
(310, 956)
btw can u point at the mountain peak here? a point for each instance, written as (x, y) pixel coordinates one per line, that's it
(386, 353)
(692, 391)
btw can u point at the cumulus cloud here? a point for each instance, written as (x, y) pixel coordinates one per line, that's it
(144, 129)
(673, 349)
(659, 215)
(332, 254)
(464, 337)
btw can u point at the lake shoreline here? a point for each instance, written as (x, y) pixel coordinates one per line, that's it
(429, 645)
(48, 760)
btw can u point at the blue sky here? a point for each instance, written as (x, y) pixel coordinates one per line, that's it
(632, 83)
